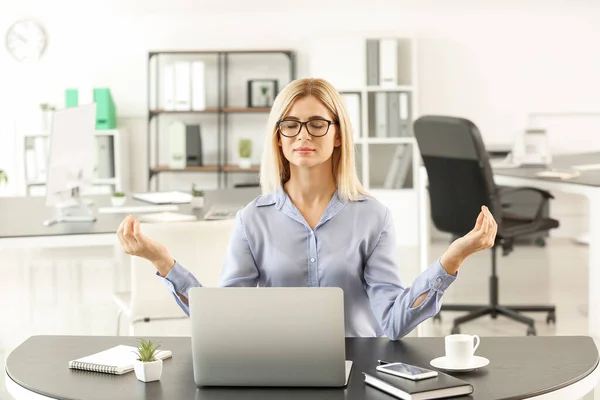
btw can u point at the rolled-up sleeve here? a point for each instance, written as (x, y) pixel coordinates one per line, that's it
(239, 268)
(390, 300)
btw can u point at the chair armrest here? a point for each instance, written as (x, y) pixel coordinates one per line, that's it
(505, 190)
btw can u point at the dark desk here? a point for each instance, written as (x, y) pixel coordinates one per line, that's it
(22, 217)
(520, 367)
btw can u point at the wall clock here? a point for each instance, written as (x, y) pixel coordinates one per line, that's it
(26, 40)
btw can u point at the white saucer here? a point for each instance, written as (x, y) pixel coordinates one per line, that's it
(443, 363)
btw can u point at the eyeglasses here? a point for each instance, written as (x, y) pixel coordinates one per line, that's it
(315, 127)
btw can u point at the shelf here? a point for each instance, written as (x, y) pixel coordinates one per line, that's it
(246, 110)
(235, 168)
(211, 110)
(215, 52)
(108, 132)
(402, 88)
(393, 140)
(215, 110)
(104, 181)
(204, 168)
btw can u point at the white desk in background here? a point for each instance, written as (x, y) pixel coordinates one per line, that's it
(586, 184)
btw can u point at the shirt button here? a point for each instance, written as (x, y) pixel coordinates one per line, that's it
(439, 279)
(312, 260)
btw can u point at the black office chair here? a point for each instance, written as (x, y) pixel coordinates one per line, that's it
(460, 182)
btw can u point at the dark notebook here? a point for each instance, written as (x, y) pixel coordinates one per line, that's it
(440, 387)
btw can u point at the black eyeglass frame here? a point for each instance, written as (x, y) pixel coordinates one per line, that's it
(305, 123)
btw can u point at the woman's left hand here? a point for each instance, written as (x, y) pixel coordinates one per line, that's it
(481, 237)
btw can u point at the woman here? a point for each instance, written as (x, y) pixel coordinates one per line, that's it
(314, 225)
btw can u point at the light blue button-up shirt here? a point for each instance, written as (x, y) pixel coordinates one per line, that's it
(353, 247)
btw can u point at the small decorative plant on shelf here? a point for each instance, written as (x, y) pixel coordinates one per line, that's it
(197, 197)
(147, 367)
(118, 199)
(245, 152)
(3, 178)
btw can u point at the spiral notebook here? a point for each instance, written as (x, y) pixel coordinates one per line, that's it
(117, 360)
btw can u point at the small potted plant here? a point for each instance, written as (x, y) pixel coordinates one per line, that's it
(245, 152)
(147, 368)
(3, 177)
(264, 98)
(197, 197)
(118, 199)
(3, 180)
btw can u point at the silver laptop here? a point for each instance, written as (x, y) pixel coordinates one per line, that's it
(268, 337)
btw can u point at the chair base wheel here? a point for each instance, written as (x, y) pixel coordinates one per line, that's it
(455, 330)
(437, 317)
(531, 331)
(551, 318)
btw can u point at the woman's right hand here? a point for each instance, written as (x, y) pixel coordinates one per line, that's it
(136, 244)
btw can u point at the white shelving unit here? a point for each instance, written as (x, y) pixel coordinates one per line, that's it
(104, 185)
(348, 72)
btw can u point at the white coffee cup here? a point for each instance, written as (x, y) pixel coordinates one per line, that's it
(460, 349)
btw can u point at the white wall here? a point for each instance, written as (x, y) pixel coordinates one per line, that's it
(491, 63)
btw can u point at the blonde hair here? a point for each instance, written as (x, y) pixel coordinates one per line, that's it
(275, 168)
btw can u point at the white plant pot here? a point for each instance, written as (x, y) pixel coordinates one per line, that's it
(245, 162)
(148, 371)
(118, 201)
(197, 202)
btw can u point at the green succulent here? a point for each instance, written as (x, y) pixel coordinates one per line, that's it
(3, 177)
(195, 192)
(146, 350)
(245, 148)
(118, 194)
(47, 107)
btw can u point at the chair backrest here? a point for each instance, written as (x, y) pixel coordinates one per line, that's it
(199, 246)
(459, 172)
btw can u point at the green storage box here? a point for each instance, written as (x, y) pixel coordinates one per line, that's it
(71, 98)
(106, 116)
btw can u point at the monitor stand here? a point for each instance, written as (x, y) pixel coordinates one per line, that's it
(75, 209)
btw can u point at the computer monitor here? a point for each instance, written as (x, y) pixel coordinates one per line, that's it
(71, 163)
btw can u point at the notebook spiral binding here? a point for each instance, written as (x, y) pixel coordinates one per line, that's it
(107, 369)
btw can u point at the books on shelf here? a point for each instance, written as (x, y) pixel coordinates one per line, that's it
(389, 114)
(117, 360)
(198, 89)
(184, 86)
(441, 387)
(388, 62)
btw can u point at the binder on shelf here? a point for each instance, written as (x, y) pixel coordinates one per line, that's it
(381, 123)
(169, 87)
(405, 115)
(388, 62)
(41, 155)
(198, 86)
(104, 155)
(177, 142)
(106, 115)
(30, 160)
(393, 114)
(182, 86)
(398, 171)
(372, 62)
(352, 102)
(193, 141)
